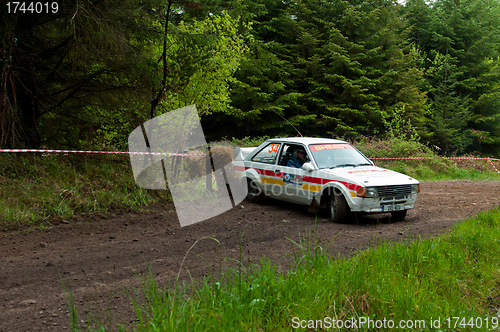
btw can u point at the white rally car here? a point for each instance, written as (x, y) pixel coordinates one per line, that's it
(331, 175)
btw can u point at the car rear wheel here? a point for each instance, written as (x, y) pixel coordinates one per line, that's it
(338, 207)
(398, 215)
(254, 194)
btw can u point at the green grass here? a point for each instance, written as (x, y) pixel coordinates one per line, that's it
(453, 275)
(36, 189)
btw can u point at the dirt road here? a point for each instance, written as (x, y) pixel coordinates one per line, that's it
(99, 255)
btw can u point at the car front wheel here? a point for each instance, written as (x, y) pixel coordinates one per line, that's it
(338, 207)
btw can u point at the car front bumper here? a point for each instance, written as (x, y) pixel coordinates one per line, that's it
(382, 204)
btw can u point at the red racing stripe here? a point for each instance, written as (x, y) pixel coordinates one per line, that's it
(265, 172)
(350, 186)
(239, 168)
(305, 178)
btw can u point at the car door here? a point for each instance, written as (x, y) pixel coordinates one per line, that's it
(291, 176)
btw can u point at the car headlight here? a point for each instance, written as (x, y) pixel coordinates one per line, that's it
(415, 188)
(367, 192)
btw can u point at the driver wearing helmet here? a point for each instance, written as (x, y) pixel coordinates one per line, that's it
(298, 158)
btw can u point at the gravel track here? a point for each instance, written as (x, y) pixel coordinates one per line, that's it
(98, 255)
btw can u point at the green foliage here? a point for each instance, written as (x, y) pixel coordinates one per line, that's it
(73, 67)
(400, 128)
(402, 140)
(316, 65)
(461, 40)
(90, 74)
(450, 112)
(84, 77)
(397, 148)
(220, 48)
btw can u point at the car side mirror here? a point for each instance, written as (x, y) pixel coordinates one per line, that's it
(308, 167)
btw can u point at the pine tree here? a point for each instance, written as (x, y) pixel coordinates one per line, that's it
(450, 110)
(89, 69)
(468, 33)
(329, 67)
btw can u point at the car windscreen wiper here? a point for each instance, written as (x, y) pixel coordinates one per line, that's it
(364, 164)
(343, 165)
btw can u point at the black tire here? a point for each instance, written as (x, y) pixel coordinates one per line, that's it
(398, 215)
(254, 194)
(339, 209)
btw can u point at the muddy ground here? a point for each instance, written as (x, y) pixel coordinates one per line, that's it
(98, 255)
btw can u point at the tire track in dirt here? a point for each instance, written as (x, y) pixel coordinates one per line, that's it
(98, 255)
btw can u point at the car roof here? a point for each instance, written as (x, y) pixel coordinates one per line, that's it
(306, 140)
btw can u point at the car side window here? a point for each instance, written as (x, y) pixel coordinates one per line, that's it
(289, 157)
(267, 154)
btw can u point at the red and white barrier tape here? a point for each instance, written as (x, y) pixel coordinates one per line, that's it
(494, 165)
(105, 152)
(453, 158)
(487, 158)
(203, 155)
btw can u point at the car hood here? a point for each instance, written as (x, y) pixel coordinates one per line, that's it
(369, 175)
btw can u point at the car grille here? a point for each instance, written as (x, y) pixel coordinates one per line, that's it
(398, 190)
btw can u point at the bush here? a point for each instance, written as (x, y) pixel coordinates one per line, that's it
(393, 148)
(401, 140)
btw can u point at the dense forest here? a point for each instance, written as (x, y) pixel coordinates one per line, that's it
(85, 73)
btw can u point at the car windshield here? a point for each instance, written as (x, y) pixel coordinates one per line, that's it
(337, 155)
